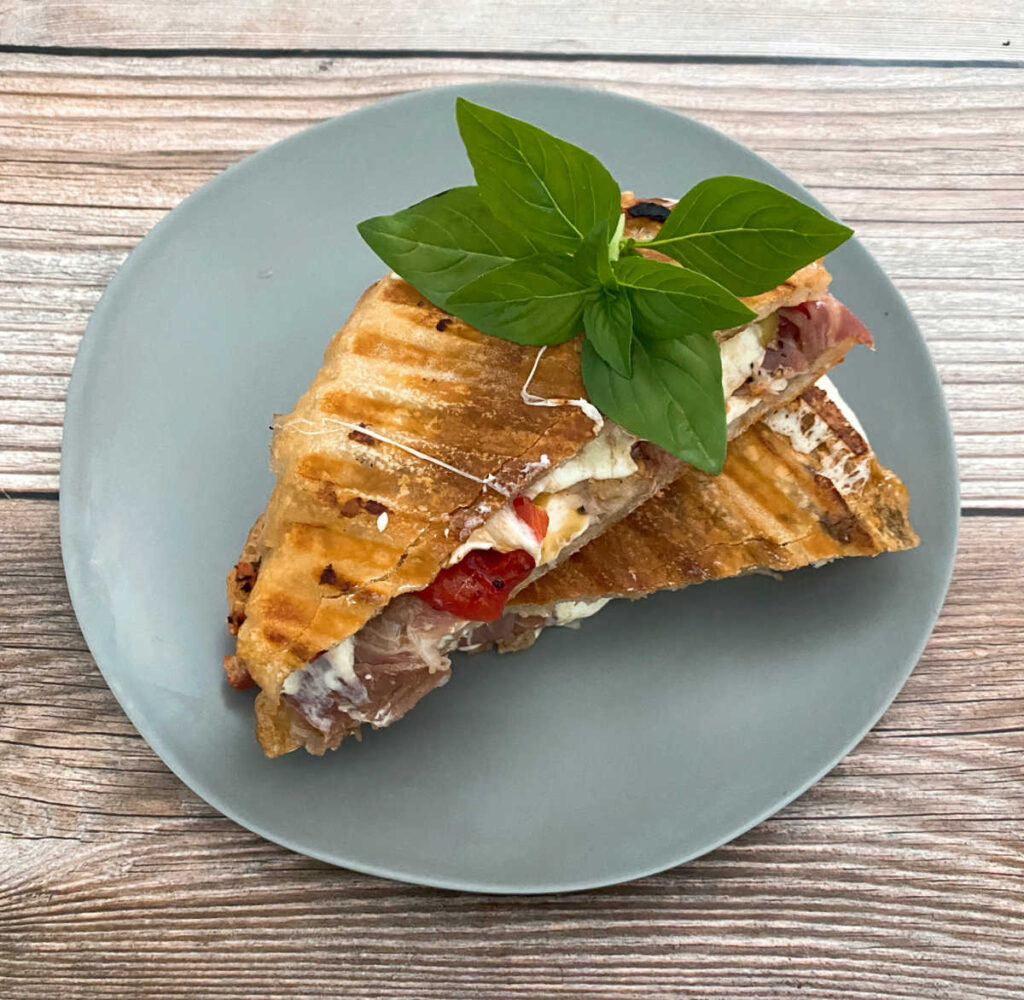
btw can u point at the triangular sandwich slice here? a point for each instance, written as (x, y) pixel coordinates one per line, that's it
(801, 488)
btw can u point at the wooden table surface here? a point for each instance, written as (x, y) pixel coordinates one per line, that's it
(900, 875)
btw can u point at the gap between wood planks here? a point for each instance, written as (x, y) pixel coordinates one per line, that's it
(665, 59)
(940, 32)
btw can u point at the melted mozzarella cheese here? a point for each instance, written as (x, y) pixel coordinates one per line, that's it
(736, 406)
(742, 355)
(570, 612)
(530, 399)
(807, 432)
(565, 522)
(504, 531)
(335, 671)
(804, 428)
(607, 456)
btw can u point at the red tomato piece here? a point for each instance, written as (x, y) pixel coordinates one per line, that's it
(534, 517)
(477, 587)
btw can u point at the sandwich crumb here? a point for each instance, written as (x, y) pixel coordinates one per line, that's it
(361, 437)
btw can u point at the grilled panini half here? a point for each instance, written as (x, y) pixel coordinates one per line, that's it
(801, 488)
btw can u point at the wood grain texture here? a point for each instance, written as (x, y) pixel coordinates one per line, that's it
(924, 161)
(876, 29)
(900, 875)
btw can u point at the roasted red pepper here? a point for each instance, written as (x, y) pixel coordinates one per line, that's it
(478, 587)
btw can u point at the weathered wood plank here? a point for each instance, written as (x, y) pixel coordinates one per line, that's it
(900, 875)
(943, 29)
(926, 162)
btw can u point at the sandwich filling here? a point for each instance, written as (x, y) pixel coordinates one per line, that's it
(398, 656)
(404, 652)
(760, 361)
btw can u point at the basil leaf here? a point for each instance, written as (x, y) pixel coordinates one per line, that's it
(592, 257)
(608, 321)
(747, 236)
(533, 181)
(538, 300)
(444, 242)
(670, 301)
(673, 399)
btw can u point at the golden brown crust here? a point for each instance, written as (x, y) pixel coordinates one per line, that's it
(773, 508)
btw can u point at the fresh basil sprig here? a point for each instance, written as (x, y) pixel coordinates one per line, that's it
(670, 301)
(536, 300)
(675, 394)
(608, 322)
(535, 254)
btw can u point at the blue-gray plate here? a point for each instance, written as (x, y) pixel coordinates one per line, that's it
(658, 731)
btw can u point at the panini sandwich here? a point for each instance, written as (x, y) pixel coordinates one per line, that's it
(431, 473)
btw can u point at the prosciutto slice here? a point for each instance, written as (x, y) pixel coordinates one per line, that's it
(398, 657)
(805, 332)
